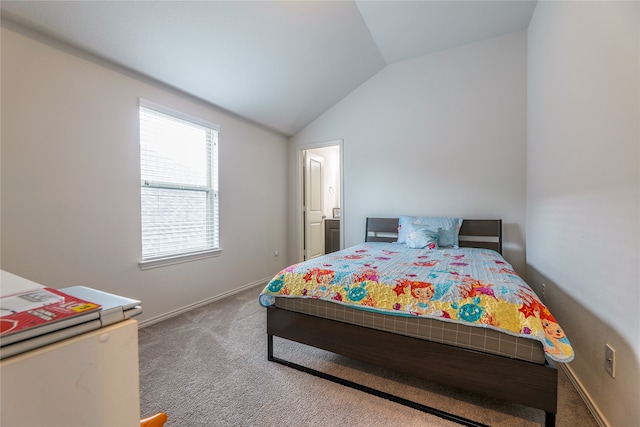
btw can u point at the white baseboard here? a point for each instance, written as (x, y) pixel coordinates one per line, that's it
(193, 306)
(583, 394)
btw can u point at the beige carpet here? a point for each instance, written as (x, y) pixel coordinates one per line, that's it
(209, 367)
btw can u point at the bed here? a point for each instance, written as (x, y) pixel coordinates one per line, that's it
(339, 315)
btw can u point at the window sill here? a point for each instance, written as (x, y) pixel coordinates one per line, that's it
(178, 259)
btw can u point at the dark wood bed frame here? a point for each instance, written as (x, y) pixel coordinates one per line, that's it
(513, 380)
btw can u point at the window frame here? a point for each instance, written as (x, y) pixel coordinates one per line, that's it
(212, 190)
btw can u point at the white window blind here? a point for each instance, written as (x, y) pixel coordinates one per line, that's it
(179, 184)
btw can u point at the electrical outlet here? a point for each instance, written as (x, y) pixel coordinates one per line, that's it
(610, 360)
(544, 288)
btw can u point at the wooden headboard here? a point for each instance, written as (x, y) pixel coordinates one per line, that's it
(475, 233)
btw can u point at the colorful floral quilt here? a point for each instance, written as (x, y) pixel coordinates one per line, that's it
(472, 286)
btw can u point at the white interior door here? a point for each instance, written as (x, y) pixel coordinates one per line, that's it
(313, 206)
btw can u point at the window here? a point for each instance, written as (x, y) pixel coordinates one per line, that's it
(179, 186)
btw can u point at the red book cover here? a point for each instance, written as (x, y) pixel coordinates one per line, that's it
(39, 307)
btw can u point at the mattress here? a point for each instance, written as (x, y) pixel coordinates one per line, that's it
(459, 335)
(468, 297)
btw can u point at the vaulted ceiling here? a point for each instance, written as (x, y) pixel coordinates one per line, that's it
(279, 64)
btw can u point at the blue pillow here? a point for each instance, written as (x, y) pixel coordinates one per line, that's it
(447, 228)
(421, 236)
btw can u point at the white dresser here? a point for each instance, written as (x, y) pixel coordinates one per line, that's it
(91, 379)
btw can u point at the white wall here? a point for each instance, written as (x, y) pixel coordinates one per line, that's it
(583, 188)
(443, 134)
(70, 181)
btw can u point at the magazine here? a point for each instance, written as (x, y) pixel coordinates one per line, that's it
(39, 307)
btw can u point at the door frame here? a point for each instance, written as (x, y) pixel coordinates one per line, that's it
(300, 192)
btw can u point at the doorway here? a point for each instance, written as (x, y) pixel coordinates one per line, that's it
(320, 195)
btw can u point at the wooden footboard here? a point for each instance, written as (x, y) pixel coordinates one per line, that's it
(513, 380)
